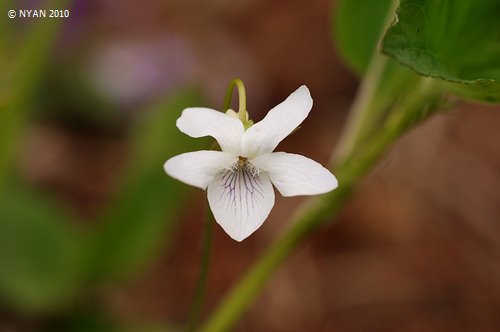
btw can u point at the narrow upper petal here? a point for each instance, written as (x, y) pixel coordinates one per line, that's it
(240, 201)
(198, 168)
(264, 136)
(199, 122)
(294, 175)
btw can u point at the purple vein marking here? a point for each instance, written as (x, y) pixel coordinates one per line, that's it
(228, 179)
(232, 182)
(245, 175)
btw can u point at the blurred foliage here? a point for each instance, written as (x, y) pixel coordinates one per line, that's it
(44, 258)
(95, 320)
(79, 103)
(146, 207)
(457, 41)
(357, 27)
(41, 252)
(48, 261)
(22, 67)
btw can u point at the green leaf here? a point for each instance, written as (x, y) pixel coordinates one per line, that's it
(40, 252)
(358, 25)
(457, 41)
(139, 219)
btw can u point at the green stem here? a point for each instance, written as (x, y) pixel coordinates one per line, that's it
(364, 109)
(201, 281)
(359, 114)
(316, 212)
(242, 111)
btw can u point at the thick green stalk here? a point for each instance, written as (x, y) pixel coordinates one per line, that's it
(361, 111)
(364, 108)
(316, 212)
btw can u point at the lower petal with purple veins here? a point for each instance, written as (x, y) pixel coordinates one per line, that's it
(240, 200)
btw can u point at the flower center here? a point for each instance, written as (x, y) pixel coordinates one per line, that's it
(241, 161)
(243, 164)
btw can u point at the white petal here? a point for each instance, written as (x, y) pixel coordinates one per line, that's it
(198, 168)
(294, 175)
(264, 136)
(199, 122)
(240, 201)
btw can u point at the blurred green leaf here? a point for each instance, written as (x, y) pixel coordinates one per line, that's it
(357, 27)
(22, 68)
(457, 41)
(40, 252)
(69, 94)
(146, 208)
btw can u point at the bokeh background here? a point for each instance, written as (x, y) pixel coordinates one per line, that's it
(415, 249)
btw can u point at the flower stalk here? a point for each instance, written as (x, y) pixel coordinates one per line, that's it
(201, 280)
(242, 99)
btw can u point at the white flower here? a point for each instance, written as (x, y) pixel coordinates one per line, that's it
(239, 177)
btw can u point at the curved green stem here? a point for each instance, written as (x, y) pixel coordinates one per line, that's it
(201, 281)
(242, 111)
